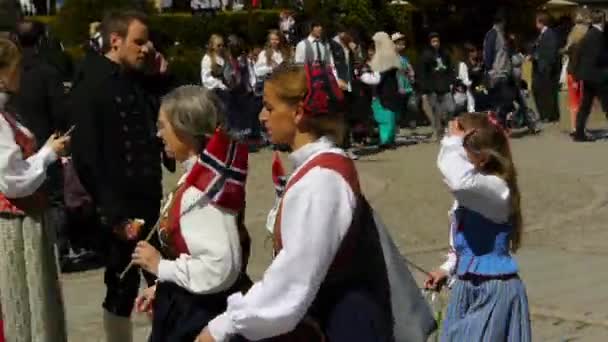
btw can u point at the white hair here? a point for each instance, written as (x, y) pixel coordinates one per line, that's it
(193, 111)
(385, 57)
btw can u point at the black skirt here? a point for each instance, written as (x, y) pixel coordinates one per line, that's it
(180, 315)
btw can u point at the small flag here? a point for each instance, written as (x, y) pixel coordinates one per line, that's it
(278, 174)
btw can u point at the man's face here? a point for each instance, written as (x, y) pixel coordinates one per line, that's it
(317, 31)
(539, 26)
(435, 42)
(133, 49)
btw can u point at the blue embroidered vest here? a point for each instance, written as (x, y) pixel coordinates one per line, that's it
(482, 246)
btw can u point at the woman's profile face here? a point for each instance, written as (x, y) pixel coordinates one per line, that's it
(278, 117)
(274, 41)
(175, 144)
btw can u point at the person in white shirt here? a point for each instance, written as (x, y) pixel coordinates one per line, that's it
(276, 52)
(202, 260)
(313, 48)
(213, 64)
(488, 301)
(328, 280)
(30, 292)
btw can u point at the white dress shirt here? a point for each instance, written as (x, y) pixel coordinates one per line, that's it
(316, 214)
(487, 195)
(262, 68)
(212, 238)
(300, 56)
(208, 80)
(21, 177)
(463, 75)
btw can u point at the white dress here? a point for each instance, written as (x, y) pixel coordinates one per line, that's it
(30, 292)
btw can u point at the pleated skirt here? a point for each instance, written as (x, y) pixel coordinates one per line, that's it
(30, 292)
(491, 310)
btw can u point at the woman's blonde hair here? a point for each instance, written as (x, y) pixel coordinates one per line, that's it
(290, 85)
(582, 20)
(486, 137)
(212, 50)
(386, 56)
(284, 48)
(10, 55)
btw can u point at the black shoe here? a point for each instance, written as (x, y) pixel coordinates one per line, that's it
(578, 138)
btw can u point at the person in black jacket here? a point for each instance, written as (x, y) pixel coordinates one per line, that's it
(592, 70)
(344, 59)
(546, 69)
(41, 107)
(436, 77)
(117, 156)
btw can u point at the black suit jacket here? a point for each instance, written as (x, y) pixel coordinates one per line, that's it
(546, 53)
(591, 57)
(344, 69)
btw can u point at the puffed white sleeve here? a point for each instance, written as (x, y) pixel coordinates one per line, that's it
(211, 236)
(463, 74)
(207, 78)
(451, 259)
(21, 177)
(261, 67)
(300, 55)
(488, 195)
(316, 214)
(371, 78)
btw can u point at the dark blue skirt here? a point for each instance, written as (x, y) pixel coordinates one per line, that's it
(180, 315)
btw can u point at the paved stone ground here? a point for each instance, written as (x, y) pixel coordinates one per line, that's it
(565, 199)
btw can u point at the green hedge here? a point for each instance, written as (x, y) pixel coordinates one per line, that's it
(185, 28)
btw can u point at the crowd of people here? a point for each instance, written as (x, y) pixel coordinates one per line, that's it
(336, 273)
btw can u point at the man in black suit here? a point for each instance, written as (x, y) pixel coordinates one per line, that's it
(591, 71)
(546, 68)
(344, 62)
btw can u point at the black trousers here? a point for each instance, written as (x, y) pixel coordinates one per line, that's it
(545, 87)
(121, 294)
(349, 121)
(591, 90)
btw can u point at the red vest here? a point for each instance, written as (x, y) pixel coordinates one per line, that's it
(27, 144)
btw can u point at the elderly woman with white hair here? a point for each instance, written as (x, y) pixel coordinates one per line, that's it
(204, 243)
(387, 100)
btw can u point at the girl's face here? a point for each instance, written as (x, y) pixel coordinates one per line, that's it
(400, 45)
(474, 54)
(370, 53)
(175, 145)
(219, 45)
(279, 118)
(274, 41)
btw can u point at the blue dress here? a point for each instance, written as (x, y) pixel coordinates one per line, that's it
(488, 300)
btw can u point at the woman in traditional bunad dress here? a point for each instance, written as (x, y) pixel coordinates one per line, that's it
(275, 53)
(30, 292)
(488, 300)
(328, 280)
(205, 246)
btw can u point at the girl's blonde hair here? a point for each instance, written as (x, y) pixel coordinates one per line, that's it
(283, 47)
(212, 50)
(487, 138)
(290, 85)
(582, 20)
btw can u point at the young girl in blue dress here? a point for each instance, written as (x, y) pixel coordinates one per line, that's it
(488, 301)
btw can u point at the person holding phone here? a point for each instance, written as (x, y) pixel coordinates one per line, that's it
(30, 293)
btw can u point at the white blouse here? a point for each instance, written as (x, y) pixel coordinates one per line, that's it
(21, 177)
(317, 212)
(212, 238)
(487, 195)
(208, 80)
(261, 66)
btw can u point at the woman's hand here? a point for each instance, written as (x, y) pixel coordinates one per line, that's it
(144, 302)
(436, 280)
(146, 257)
(58, 143)
(205, 336)
(455, 129)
